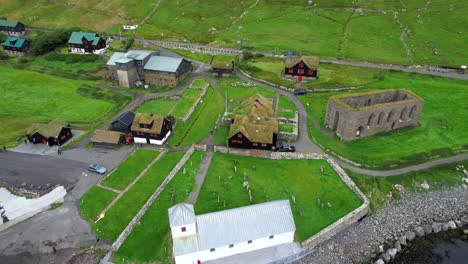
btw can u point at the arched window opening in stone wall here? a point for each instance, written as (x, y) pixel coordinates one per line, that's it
(412, 112)
(335, 122)
(403, 113)
(381, 117)
(359, 131)
(371, 118)
(390, 116)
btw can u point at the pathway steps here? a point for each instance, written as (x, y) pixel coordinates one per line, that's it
(200, 177)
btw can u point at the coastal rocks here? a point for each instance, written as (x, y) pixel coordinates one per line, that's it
(398, 246)
(402, 240)
(436, 227)
(386, 257)
(410, 235)
(419, 231)
(427, 229)
(379, 261)
(392, 252)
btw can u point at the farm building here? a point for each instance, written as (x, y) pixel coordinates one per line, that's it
(127, 68)
(166, 71)
(12, 28)
(107, 139)
(254, 125)
(151, 129)
(197, 239)
(222, 67)
(16, 46)
(81, 42)
(53, 133)
(305, 66)
(124, 122)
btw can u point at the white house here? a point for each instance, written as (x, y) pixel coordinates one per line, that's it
(130, 27)
(197, 239)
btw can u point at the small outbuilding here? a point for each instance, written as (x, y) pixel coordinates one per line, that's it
(222, 67)
(305, 66)
(124, 122)
(12, 28)
(53, 133)
(16, 46)
(107, 139)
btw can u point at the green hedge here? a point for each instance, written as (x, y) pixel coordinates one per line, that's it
(71, 58)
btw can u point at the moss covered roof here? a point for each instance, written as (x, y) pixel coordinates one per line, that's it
(106, 136)
(311, 62)
(147, 119)
(51, 129)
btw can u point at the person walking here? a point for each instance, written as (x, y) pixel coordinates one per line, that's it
(4, 149)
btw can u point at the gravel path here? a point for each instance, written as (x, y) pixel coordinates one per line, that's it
(357, 243)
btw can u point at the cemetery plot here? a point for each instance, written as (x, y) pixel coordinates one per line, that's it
(234, 181)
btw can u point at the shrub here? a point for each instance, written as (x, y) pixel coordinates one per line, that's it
(71, 58)
(247, 55)
(127, 43)
(48, 41)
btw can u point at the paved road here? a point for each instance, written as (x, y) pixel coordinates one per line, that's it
(36, 172)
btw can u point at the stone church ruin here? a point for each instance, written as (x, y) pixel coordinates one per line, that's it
(353, 116)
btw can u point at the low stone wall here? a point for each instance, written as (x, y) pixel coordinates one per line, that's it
(265, 82)
(126, 232)
(194, 106)
(297, 155)
(346, 220)
(200, 147)
(243, 152)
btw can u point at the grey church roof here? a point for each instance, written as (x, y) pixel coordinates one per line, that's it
(237, 225)
(181, 214)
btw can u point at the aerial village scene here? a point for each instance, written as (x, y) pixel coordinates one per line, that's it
(223, 131)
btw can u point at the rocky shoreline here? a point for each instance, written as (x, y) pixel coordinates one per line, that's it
(367, 240)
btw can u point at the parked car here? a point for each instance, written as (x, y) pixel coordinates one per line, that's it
(129, 140)
(97, 169)
(300, 91)
(286, 148)
(289, 53)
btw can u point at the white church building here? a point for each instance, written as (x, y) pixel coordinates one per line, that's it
(197, 239)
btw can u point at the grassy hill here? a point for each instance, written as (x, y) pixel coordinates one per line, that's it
(403, 32)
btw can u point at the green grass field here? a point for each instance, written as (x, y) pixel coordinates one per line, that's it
(202, 121)
(141, 245)
(69, 67)
(130, 169)
(29, 97)
(382, 189)
(118, 217)
(441, 129)
(274, 180)
(284, 103)
(285, 128)
(233, 89)
(184, 105)
(94, 201)
(404, 32)
(330, 75)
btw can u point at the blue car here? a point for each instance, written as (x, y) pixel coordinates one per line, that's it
(97, 169)
(300, 92)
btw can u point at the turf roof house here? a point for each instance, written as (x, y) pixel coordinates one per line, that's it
(128, 68)
(197, 239)
(53, 133)
(166, 71)
(16, 46)
(81, 42)
(305, 66)
(254, 125)
(151, 129)
(12, 28)
(221, 67)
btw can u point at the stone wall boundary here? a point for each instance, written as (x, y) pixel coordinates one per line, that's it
(265, 82)
(128, 229)
(195, 104)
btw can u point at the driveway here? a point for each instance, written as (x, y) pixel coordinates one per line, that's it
(41, 149)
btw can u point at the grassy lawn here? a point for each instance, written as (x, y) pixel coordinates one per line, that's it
(221, 135)
(274, 180)
(330, 75)
(141, 245)
(286, 103)
(118, 217)
(198, 83)
(441, 130)
(202, 121)
(233, 89)
(130, 169)
(288, 115)
(382, 189)
(186, 102)
(94, 201)
(29, 97)
(157, 106)
(286, 128)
